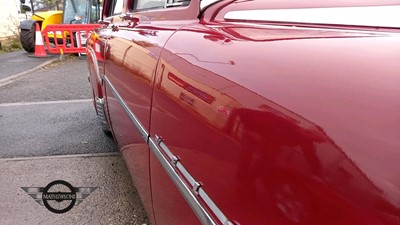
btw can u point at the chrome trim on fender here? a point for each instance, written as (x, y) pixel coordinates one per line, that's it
(96, 64)
(186, 174)
(171, 164)
(101, 113)
(195, 188)
(214, 208)
(174, 160)
(160, 142)
(186, 192)
(376, 16)
(132, 116)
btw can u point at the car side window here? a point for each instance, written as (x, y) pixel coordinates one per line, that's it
(157, 4)
(149, 4)
(117, 7)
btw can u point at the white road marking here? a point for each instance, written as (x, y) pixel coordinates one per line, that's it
(45, 102)
(61, 156)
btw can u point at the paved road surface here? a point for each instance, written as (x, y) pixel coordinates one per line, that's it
(52, 114)
(18, 62)
(49, 131)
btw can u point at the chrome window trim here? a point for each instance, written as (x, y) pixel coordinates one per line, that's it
(376, 16)
(142, 130)
(205, 3)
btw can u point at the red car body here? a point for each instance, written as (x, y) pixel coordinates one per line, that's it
(254, 112)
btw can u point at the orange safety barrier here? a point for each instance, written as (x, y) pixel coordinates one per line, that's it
(67, 38)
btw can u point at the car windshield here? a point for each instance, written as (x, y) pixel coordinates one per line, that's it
(76, 11)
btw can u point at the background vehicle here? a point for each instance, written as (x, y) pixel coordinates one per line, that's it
(74, 11)
(254, 112)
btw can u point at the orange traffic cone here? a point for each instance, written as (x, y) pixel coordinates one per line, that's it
(40, 52)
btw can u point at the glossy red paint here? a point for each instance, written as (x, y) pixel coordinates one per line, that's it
(314, 146)
(280, 124)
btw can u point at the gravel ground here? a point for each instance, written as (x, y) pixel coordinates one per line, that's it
(113, 202)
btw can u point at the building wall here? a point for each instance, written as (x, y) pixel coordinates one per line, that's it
(9, 21)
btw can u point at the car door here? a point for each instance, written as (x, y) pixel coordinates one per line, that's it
(137, 33)
(127, 87)
(189, 115)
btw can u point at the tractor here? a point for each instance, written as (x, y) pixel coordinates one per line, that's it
(74, 12)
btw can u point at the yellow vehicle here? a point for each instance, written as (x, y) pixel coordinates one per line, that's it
(74, 11)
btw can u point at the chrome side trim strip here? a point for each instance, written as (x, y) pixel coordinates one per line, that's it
(160, 142)
(196, 188)
(172, 166)
(186, 174)
(376, 16)
(189, 196)
(212, 206)
(142, 130)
